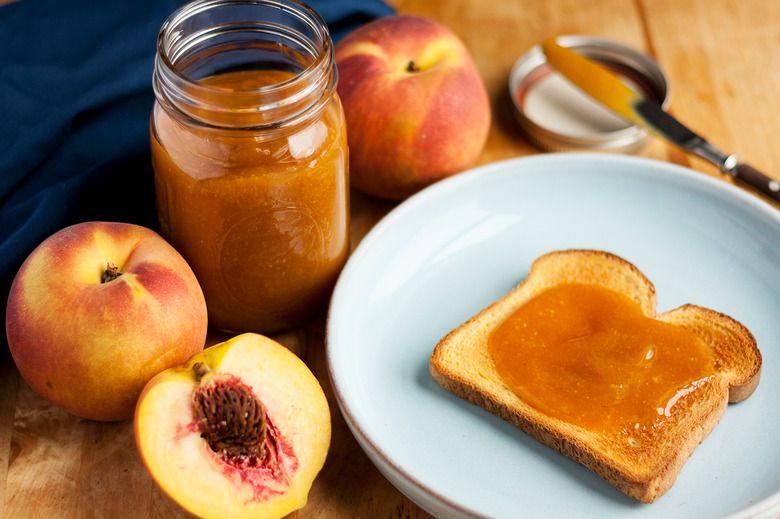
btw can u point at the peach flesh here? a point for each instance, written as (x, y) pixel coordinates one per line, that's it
(267, 473)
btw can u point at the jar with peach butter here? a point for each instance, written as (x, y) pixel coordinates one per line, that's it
(250, 158)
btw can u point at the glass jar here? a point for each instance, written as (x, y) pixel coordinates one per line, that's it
(250, 158)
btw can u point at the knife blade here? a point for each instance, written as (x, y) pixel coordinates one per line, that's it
(606, 87)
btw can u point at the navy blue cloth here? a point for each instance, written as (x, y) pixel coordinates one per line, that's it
(75, 100)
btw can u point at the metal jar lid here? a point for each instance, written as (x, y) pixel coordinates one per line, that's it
(558, 116)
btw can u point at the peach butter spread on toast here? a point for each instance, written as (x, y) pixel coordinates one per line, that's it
(577, 357)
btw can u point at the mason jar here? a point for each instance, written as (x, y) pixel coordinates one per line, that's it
(250, 158)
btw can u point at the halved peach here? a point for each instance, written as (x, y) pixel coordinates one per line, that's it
(240, 430)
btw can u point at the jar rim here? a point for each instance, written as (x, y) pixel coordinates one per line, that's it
(277, 104)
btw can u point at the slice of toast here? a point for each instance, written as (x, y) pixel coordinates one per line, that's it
(462, 363)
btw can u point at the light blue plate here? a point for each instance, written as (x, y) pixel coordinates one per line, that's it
(450, 250)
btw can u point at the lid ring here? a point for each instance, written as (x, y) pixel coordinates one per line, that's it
(556, 116)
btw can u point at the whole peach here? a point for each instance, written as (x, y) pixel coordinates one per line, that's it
(98, 309)
(415, 105)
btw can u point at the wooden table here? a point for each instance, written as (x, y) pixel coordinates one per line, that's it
(722, 60)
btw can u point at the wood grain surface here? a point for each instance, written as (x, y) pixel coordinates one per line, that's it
(722, 61)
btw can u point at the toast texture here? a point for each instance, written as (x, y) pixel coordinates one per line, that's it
(644, 470)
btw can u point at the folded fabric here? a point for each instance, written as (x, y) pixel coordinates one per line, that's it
(75, 99)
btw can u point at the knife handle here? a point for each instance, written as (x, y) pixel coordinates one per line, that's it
(757, 180)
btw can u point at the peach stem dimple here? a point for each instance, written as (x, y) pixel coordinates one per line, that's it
(111, 273)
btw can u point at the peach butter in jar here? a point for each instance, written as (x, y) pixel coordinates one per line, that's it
(250, 158)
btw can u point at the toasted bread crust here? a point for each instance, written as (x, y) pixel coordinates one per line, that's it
(462, 365)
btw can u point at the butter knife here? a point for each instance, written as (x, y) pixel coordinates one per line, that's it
(606, 87)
